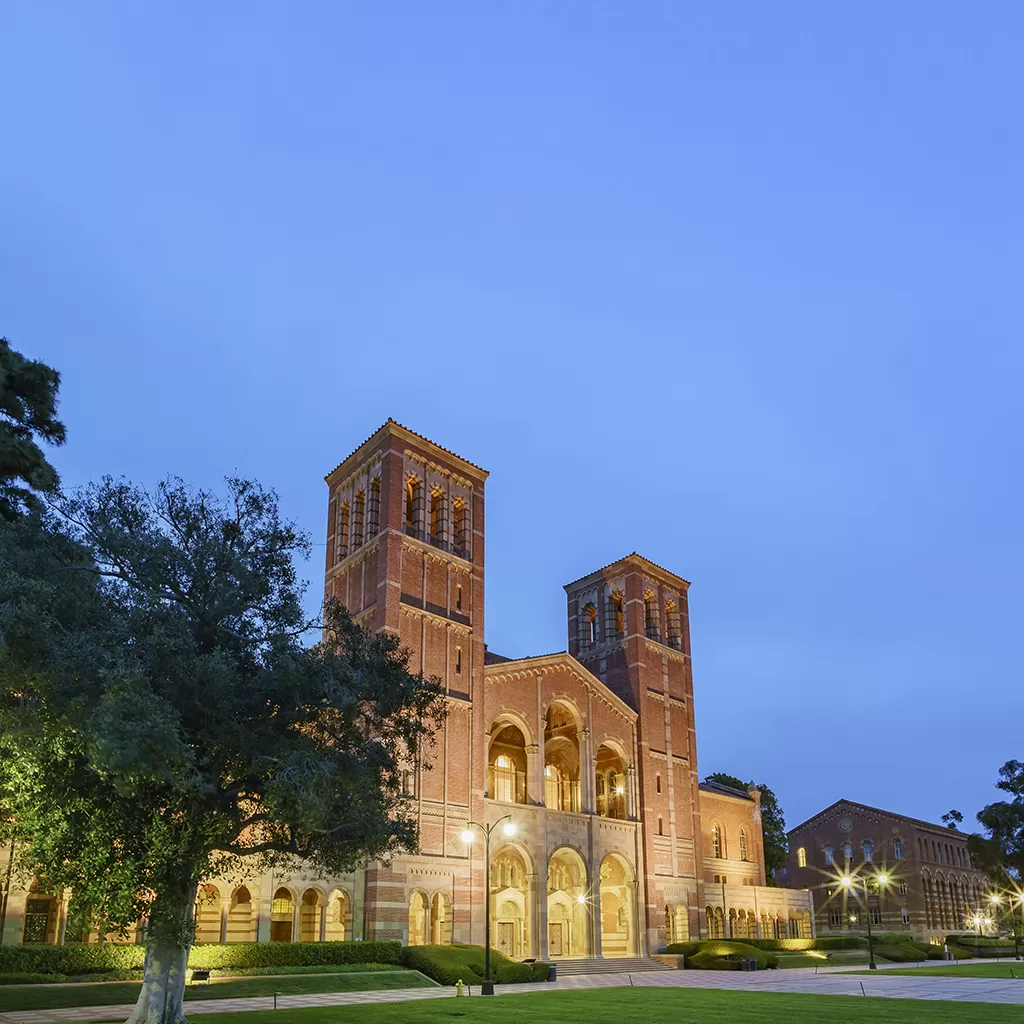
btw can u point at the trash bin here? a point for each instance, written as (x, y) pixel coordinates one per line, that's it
(552, 972)
(748, 964)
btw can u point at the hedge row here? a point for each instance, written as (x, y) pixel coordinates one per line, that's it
(90, 959)
(801, 945)
(449, 964)
(700, 954)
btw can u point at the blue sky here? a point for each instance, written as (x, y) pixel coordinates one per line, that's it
(734, 285)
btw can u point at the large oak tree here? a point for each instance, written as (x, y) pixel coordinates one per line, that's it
(164, 719)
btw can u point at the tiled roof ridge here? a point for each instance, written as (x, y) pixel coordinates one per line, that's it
(878, 810)
(632, 554)
(393, 422)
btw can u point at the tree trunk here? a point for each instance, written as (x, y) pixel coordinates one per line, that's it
(167, 947)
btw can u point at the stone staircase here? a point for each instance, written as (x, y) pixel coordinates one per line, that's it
(612, 965)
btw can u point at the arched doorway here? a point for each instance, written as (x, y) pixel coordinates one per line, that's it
(561, 759)
(506, 765)
(510, 902)
(310, 915)
(207, 914)
(40, 924)
(240, 916)
(569, 915)
(282, 916)
(441, 919)
(417, 919)
(618, 925)
(337, 916)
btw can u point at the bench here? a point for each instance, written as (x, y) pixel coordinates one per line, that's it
(200, 976)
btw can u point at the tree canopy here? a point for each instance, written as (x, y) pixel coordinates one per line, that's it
(28, 414)
(999, 850)
(773, 823)
(163, 719)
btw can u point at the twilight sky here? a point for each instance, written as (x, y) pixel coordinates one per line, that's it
(734, 285)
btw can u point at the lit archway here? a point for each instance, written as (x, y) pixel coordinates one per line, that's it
(569, 905)
(207, 914)
(282, 916)
(310, 916)
(506, 765)
(441, 919)
(337, 916)
(417, 919)
(618, 919)
(240, 916)
(510, 902)
(562, 759)
(610, 782)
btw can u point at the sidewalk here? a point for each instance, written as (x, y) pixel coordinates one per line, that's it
(828, 981)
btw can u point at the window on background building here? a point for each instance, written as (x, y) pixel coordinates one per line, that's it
(661, 827)
(828, 856)
(902, 888)
(651, 625)
(438, 524)
(408, 782)
(414, 507)
(848, 851)
(458, 661)
(589, 624)
(868, 848)
(461, 524)
(672, 621)
(876, 915)
(358, 513)
(743, 844)
(784, 870)
(616, 617)
(504, 778)
(657, 782)
(718, 879)
(343, 531)
(904, 915)
(716, 841)
(458, 599)
(373, 509)
(835, 918)
(801, 858)
(897, 849)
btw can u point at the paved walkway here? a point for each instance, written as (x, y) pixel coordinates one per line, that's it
(828, 981)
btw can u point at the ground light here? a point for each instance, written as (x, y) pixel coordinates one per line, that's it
(468, 835)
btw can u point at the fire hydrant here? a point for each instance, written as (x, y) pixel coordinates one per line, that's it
(458, 987)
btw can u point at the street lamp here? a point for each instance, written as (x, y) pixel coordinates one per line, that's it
(468, 835)
(847, 883)
(1019, 897)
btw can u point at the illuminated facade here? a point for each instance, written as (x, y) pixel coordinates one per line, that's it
(592, 752)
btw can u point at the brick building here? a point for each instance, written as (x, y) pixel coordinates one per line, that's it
(932, 887)
(591, 751)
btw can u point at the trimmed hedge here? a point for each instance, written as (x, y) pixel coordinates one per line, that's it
(92, 959)
(449, 964)
(31, 979)
(903, 952)
(802, 945)
(698, 954)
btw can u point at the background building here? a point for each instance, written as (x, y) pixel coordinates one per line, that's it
(933, 888)
(592, 751)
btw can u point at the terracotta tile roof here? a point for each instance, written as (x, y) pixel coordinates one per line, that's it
(717, 787)
(878, 810)
(394, 423)
(632, 554)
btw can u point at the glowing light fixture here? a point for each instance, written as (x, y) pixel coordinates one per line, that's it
(846, 881)
(467, 835)
(509, 828)
(882, 879)
(581, 898)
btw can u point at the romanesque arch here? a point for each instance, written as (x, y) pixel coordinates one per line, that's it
(441, 919)
(338, 910)
(507, 767)
(207, 914)
(618, 910)
(282, 915)
(418, 905)
(240, 916)
(562, 757)
(569, 914)
(511, 901)
(311, 912)
(610, 781)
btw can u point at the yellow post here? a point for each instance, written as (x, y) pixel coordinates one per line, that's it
(458, 987)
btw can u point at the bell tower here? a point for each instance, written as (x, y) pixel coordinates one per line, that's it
(629, 625)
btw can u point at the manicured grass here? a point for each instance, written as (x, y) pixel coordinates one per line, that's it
(840, 958)
(1006, 969)
(649, 1005)
(51, 997)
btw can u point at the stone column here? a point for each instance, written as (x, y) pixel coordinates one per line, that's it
(542, 909)
(534, 774)
(631, 793)
(588, 786)
(264, 906)
(225, 909)
(595, 917)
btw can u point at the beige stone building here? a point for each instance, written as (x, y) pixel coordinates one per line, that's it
(590, 752)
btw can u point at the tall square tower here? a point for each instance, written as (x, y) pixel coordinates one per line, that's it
(629, 625)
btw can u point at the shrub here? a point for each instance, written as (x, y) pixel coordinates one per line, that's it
(902, 952)
(93, 959)
(709, 962)
(802, 945)
(447, 964)
(890, 938)
(723, 949)
(959, 953)
(30, 979)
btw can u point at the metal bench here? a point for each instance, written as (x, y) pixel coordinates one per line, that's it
(198, 976)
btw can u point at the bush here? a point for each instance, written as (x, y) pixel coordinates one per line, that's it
(30, 979)
(709, 962)
(723, 949)
(903, 952)
(802, 945)
(447, 964)
(959, 953)
(70, 960)
(890, 938)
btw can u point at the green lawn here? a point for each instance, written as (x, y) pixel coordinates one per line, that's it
(840, 958)
(649, 1005)
(1007, 969)
(51, 997)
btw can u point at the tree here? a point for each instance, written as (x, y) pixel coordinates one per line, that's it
(773, 824)
(1000, 852)
(953, 820)
(28, 411)
(165, 723)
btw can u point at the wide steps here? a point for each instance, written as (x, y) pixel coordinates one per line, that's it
(611, 965)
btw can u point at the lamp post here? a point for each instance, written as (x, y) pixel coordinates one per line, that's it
(1019, 897)
(847, 883)
(468, 835)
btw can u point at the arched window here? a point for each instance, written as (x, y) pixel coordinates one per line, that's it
(504, 778)
(461, 528)
(614, 616)
(743, 844)
(672, 620)
(414, 507)
(357, 520)
(589, 624)
(661, 826)
(848, 851)
(897, 849)
(828, 856)
(438, 525)
(373, 509)
(869, 849)
(716, 841)
(343, 531)
(651, 625)
(801, 857)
